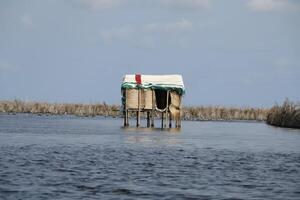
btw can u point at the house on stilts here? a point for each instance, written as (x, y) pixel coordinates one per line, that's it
(153, 94)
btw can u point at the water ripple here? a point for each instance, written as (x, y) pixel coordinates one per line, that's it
(111, 168)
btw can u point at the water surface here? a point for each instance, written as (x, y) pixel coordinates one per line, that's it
(66, 157)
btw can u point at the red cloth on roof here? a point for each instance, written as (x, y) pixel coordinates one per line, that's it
(138, 79)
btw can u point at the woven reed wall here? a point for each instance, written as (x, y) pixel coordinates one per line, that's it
(146, 99)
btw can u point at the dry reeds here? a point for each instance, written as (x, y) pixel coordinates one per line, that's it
(198, 113)
(287, 115)
(18, 106)
(222, 113)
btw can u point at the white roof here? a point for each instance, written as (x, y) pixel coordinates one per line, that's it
(174, 79)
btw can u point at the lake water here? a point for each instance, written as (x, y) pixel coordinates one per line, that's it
(67, 157)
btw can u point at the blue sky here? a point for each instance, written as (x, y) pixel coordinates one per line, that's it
(230, 52)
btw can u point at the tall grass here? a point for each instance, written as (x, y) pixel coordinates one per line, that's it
(224, 113)
(102, 109)
(287, 115)
(18, 106)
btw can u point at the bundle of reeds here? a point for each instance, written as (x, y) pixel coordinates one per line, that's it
(287, 115)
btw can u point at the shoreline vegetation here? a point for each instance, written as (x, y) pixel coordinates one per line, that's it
(191, 113)
(287, 115)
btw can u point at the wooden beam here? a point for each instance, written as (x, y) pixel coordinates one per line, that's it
(124, 109)
(162, 119)
(124, 115)
(153, 109)
(167, 109)
(179, 115)
(127, 117)
(138, 112)
(148, 119)
(170, 120)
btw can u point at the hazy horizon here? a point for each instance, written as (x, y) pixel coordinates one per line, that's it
(230, 53)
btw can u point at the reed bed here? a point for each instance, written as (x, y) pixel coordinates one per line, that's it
(86, 110)
(287, 115)
(224, 113)
(198, 113)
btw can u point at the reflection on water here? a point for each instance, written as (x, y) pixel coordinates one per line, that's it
(146, 136)
(150, 130)
(66, 157)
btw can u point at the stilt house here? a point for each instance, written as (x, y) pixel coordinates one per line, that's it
(153, 94)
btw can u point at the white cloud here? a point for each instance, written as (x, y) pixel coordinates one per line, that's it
(147, 34)
(101, 4)
(282, 62)
(287, 64)
(270, 5)
(186, 4)
(27, 20)
(146, 42)
(122, 32)
(180, 26)
(5, 67)
(177, 4)
(175, 27)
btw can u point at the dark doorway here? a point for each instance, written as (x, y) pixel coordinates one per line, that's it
(161, 99)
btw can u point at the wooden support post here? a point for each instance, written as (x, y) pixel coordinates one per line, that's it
(125, 108)
(127, 117)
(162, 119)
(176, 120)
(137, 119)
(138, 112)
(167, 109)
(124, 115)
(153, 109)
(179, 115)
(148, 119)
(170, 121)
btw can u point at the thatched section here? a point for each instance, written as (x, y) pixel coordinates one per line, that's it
(146, 99)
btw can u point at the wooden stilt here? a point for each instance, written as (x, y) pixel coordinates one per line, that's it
(138, 118)
(153, 109)
(125, 111)
(176, 121)
(152, 118)
(148, 119)
(167, 109)
(170, 121)
(127, 117)
(124, 115)
(124, 108)
(179, 115)
(138, 112)
(162, 120)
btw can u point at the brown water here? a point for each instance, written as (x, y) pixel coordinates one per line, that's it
(66, 157)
